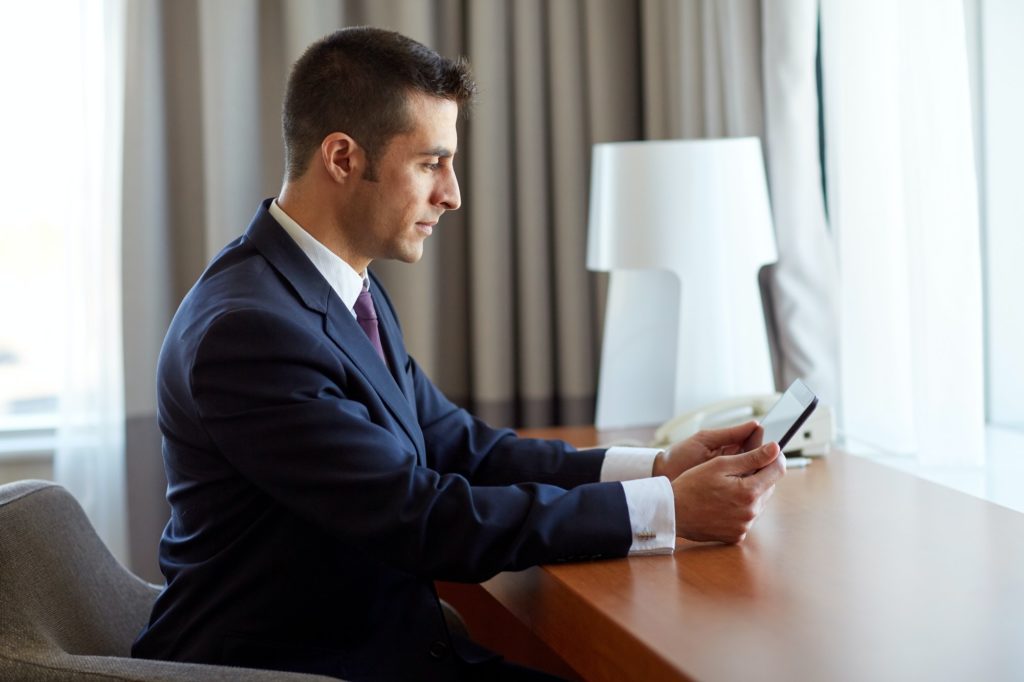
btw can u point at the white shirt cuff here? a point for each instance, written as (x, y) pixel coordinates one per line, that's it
(651, 515)
(627, 464)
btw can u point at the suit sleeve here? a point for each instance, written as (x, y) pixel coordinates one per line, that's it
(272, 399)
(460, 443)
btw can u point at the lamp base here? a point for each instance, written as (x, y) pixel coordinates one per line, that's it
(637, 384)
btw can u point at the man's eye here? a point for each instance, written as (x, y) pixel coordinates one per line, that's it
(432, 166)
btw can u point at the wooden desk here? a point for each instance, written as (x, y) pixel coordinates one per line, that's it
(854, 572)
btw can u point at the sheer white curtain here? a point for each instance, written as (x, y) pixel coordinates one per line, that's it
(903, 205)
(804, 282)
(88, 150)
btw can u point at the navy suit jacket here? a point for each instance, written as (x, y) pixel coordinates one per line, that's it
(316, 495)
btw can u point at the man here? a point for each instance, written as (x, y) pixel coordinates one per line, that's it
(319, 483)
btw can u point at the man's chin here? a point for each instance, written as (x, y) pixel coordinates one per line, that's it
(410, 255)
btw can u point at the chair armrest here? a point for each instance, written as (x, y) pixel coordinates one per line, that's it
(69, 667)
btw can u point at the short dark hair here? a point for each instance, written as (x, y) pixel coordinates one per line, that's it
(357, 81)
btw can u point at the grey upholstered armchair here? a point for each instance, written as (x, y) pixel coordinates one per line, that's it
(68, 609)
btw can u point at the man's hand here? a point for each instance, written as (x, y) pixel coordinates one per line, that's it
(706, 445)
(719, 499)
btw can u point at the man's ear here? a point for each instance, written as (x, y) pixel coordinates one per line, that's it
(342, 156)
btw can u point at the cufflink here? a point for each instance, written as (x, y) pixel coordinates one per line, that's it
(646, 534)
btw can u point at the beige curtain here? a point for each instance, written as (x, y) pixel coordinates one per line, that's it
(702, 68)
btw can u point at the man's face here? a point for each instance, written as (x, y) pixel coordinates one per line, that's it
(415, 184)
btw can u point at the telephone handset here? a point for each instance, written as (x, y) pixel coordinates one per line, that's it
(813, 438)
(715, 415)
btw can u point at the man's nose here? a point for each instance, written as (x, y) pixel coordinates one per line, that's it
(448, 193)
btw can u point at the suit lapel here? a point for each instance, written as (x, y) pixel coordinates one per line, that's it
(339, 324)
(350, 338)
(392, 337)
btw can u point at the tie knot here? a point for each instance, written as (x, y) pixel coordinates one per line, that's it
(364, 306)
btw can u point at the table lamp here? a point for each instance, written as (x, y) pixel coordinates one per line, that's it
(684, 227)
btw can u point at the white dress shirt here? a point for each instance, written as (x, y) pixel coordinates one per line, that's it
(649, 499)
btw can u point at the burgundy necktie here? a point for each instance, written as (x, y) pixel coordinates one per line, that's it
(366, 316)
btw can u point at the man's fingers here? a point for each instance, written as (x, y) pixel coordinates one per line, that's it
(729, 450)
(770, 474)
(754, 440)
(720, 499)
(716, 438)
(751, 461)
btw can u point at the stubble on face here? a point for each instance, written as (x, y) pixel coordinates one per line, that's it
(392, 215)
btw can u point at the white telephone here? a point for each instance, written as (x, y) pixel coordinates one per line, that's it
(814, 437)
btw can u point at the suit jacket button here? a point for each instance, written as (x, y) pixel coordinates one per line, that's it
(438, 649)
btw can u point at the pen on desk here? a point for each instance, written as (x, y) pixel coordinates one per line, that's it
(797, 462)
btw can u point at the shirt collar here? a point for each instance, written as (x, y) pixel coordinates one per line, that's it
(346, 282)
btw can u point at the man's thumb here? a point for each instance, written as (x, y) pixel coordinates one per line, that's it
(753, 460)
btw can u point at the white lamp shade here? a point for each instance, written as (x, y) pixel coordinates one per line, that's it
(684, 227)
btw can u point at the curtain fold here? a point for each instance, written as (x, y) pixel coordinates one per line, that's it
(803, 284)
(488, 206)
(153, 255)
(569, 171)
(903, 203)
(702, 68)
(89, 458)
(534, 262)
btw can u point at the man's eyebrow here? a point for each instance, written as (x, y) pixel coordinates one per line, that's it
(442, 152)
